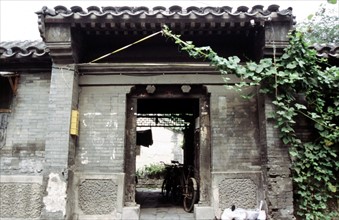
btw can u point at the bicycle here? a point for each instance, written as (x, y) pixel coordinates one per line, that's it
(181, 185)
(168, 182)
(190, 191)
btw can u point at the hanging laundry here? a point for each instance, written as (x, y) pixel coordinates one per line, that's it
(144, 138)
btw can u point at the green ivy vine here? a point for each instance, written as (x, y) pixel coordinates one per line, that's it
(302, 87)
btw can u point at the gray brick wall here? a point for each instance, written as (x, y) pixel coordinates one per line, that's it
(27, 122)
(59, 116)
(59, 143)
(24, 149)
(38, 129)
(234, 131)
(278, 173)
(102, 129)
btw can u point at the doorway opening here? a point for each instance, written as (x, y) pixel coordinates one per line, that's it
(165, 133)
(163, 124)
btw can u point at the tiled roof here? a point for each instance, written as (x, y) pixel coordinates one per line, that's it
(327, 50)
(133, 20)
(22, 49)
(143, 11)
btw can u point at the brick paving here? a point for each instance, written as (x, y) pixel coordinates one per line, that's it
(154, 207)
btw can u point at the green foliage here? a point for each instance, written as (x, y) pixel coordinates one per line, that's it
(323, 26)
(302, 86)
(151, 171)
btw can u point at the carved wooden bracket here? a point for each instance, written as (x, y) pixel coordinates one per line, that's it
(14, 83)
(13, 79)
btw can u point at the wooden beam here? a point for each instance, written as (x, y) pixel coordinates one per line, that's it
(5, 110)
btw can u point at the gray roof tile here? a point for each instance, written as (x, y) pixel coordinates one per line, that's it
(35, 49)
(327, 50)
(21, 49)
(116, 11)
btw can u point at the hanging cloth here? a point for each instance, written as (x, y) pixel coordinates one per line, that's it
(144, 138)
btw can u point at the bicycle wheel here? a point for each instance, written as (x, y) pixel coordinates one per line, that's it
(164, 188)
(190, 195)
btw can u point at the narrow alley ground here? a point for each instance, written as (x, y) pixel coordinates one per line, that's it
(154, 207)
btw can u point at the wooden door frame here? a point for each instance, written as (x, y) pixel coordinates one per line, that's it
(204, 146)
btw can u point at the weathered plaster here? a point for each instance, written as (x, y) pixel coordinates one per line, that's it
(55, 200)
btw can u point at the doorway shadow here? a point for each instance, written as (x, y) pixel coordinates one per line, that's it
(153, 206)
(152, 198)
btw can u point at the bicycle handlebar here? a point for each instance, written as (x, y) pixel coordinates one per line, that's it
(173, 163)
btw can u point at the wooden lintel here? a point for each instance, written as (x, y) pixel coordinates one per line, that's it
(4, 110)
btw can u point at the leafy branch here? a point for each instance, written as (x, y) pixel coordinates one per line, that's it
(304, 87)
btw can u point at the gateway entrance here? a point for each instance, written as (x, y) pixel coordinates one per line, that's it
(182, 111)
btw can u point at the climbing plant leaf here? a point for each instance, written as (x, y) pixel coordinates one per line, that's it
(303, 87)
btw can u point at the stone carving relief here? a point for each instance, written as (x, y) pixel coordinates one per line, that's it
(239, 192)
(97, 197)
(20, 200)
